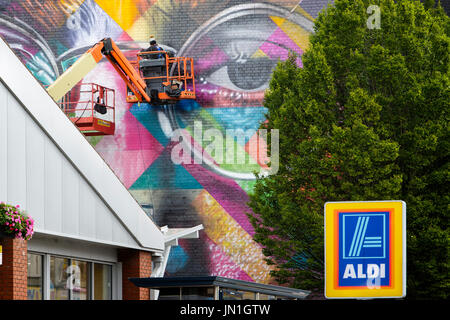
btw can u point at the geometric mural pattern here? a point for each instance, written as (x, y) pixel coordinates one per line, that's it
(235, 46)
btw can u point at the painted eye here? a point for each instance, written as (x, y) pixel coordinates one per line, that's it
(249, 75)
(30, 47)
(235, 53)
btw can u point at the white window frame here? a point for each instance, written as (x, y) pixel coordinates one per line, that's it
(116, 275)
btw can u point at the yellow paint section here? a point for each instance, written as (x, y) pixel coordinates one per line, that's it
(124, 12)
(149, 23)
(304, 13)
(234, 241)
(69, 6)
(259, 54)
(398, 251)
(296, 33)
(278, 20)
(71, 76)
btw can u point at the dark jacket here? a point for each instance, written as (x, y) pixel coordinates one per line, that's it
(152, 55)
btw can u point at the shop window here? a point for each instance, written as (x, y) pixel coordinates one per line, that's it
(70, 279)
(197, 293)
(170, 294)
(231, 294)
(59, 279)
(270, 297)
(102, 282)
(78, 280)
(35, 280)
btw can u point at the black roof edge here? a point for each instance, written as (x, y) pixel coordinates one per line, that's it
(196, 281)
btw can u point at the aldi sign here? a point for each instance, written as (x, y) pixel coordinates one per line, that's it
(365, 249)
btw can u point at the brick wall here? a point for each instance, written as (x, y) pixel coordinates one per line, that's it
(234, 48)
(135, 264)
(13, 271)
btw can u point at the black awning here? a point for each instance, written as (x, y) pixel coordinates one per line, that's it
(202, 281)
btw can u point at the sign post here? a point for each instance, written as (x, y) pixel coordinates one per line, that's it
(365, 249)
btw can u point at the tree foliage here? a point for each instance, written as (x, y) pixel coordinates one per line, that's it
(366, 118)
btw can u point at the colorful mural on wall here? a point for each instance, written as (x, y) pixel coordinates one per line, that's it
(236, 45)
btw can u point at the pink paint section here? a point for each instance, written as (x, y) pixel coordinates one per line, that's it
(226, 192)
(124, 37)
(105, 75)
(222, 265)
(281, 38)
(130, 151)
(137, 137)
(256, 147)
(271, 47)
(131, 54)
(127, 165)
(215, 58)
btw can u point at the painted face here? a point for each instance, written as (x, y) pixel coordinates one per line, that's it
(235, 52)
(235, 46)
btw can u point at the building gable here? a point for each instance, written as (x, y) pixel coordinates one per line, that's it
(51, 170)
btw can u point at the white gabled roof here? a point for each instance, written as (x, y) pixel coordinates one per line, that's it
(114, 200)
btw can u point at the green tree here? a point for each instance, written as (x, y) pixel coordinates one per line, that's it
(366, 118)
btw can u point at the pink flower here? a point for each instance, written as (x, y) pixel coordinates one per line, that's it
(17, 206)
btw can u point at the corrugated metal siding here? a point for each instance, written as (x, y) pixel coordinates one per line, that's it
(35, 174)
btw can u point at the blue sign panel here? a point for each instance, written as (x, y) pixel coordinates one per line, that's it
(364, 249)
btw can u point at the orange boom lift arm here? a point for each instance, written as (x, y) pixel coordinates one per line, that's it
(130, 72)
(123, 67)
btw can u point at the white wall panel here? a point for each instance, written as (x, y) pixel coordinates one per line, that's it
(3, 141)
(86, 210)
(73, 248)
(53, 187)
(16, 153)
(35, 192)
(46, 184)
(120, 234)
(70, 198)
(53, 172)
(103, 224)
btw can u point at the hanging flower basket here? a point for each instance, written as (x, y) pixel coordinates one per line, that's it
(15, 223)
